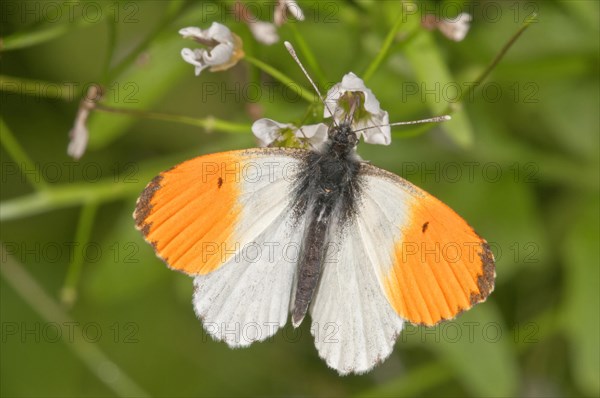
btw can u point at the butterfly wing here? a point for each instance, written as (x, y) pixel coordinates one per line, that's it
(436, 265)
(353, 324)
(225, 219)
(405, 256)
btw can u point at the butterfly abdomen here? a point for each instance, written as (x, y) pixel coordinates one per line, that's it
(310, 263)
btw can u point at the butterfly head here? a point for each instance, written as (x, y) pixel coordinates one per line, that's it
(342, 138)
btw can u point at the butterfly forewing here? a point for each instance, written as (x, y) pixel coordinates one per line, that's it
(200, 213)
(434, 265)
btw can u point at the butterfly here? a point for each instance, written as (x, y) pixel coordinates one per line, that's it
(273, 233)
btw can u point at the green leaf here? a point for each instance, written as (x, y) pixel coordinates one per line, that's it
(478, 348)
(432, 74)
(412, 383)
(39, 35)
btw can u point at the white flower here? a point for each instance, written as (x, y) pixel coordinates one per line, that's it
(352, 99)
(453, 28)
(272, 133)
(314, 133)
(224, 48)
(457, 28)
(267, 130)
(264, 32)
(283, 6)
(79, 134)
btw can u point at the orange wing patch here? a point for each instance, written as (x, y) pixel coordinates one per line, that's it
(188, 213)
(442, 267)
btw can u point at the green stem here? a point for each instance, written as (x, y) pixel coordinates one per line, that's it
(111, 47)
(11, 145)
(82, 237)
(384, 49)
(80, 193)
(88, 353)
(209, 123)
(60, 196)
(308, 95)
(467, 93)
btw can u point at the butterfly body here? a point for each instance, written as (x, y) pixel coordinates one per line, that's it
(326, 192)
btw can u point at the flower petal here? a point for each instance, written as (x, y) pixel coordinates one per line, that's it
(219, 55)
(351, 82)
(331, 99)
(192, 56)
(380, 131)
(368, 115)
(196, 58)
(457, 28)
(224, 49)
(284, 6)
(192, 32)
(315, 133)
(78, 136)
(268, 130)
(216, 33)
(220, 33)
(294, 9)
(264, 32)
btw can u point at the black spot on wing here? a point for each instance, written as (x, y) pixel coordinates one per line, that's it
(425, 226)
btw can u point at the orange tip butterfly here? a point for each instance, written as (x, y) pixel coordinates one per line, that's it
(269, 232)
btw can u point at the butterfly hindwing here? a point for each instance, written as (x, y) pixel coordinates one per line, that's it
(248, 298)
(352, 322)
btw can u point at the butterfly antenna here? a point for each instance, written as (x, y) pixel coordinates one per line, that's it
(436, 119)
(292, 52)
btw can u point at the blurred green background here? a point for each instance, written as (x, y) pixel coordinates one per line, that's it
(87, 310)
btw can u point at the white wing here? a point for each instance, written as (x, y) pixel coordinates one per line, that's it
(247, 298)
(352, 322)
(354, 325)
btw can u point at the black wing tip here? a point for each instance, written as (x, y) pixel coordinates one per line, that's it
(143, 206)
(485, 281)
